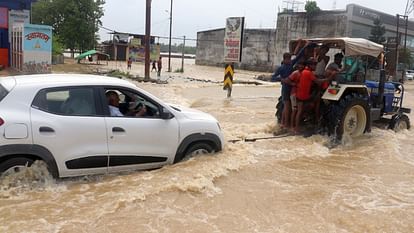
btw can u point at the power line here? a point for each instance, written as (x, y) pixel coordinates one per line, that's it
(192, 39)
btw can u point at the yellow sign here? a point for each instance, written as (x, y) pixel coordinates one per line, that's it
(228, 78)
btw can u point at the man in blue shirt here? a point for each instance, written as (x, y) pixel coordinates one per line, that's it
(283, 72)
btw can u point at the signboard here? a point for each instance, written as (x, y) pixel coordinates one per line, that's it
(18, 17)
(135, 42)
(4, 15)
(228, 79)
(137, 53)
(37, 48)
(37, 39)
(233, 36)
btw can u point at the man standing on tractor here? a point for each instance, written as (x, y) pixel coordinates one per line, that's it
(283, 73)
(304, 86)
(293, 81)
(336, 65)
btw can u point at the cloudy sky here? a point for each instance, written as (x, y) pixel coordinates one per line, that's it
(191, 16)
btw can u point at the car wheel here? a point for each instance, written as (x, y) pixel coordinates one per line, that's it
(14, 165)
(198, 148)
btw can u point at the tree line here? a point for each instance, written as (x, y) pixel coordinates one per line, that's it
(75, 22)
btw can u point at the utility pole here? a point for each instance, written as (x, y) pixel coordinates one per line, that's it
(399, 36)
(147, 39)
(169, 44)
(182, 60)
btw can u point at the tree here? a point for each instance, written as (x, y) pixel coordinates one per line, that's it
(57, 47)
(377, 32)
(75, 22)
(311, 7)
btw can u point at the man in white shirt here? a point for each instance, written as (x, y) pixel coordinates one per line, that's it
(139, 110)
(113, 101)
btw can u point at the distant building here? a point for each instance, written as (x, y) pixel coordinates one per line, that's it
(128, 45)
(356, 21)
(258, 51)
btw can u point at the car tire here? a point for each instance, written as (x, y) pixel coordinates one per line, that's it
(198, 148)
(14, 165)
(194, 150)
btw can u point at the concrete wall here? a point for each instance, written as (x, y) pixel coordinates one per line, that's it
(291, 26)
(257, 54)
(210, 47)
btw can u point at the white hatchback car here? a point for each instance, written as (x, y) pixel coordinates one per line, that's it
(409, 75)
(65, 121)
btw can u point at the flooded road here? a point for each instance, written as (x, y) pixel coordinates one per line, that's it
(290, 184)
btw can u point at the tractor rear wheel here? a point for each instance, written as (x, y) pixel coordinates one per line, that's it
(350, 116)
(400, 123)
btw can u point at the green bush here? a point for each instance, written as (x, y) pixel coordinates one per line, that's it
(57, 47)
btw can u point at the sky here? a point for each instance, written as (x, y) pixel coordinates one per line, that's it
(191, 16)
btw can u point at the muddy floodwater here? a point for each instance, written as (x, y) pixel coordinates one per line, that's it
(291, 184)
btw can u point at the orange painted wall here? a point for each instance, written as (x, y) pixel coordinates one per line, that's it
(4, 57)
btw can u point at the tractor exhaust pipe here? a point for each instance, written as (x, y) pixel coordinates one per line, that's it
(381, 87)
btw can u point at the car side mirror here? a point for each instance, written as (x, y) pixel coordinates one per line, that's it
(166, 114)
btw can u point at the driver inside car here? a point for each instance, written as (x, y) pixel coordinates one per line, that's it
(137, 109)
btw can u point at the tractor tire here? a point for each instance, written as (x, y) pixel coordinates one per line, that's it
(350, 116)
(399, 123)
(279, 110)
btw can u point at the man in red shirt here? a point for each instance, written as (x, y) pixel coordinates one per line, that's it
(293, 81)
(304, 88)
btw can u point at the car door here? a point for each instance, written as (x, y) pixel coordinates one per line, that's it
(139, 142)
(69, 122)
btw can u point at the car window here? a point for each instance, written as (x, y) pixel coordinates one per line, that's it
(126, 103)
(3, 92)
(70, 101)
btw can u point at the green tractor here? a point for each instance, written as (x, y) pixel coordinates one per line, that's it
(359, 95)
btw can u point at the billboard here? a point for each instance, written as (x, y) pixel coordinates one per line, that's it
(137, 53)
(4, 15)
(233, 36)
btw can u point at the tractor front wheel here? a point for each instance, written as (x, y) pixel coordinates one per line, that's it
(350, 116)
(399, 123)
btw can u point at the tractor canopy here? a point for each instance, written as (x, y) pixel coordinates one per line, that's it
(350, 46)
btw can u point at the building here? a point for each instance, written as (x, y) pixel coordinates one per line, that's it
(263, 48)
(127, 45)
(11, 12)
(258, 51)
(31, 48)
(355, 21)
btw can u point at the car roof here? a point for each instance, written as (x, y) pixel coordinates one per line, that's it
(50, 80)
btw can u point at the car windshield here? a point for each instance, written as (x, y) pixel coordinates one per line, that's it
(3, 92)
